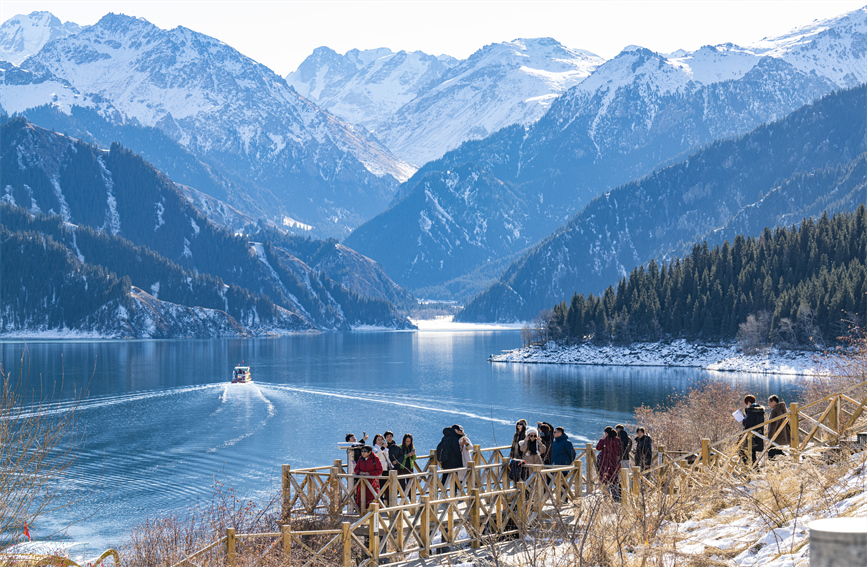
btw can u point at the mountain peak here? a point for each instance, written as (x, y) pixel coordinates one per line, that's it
(24, 35)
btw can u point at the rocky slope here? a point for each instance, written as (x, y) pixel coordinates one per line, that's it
(232, 113)
(114, 210)
(633, 114)
(806, 163)
(24, 35)
(421, 106)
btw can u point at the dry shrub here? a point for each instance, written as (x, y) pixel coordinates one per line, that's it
(841, 369)
(165, 540)
(702, 412)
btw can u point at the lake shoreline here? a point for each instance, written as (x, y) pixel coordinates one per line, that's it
(679, 353)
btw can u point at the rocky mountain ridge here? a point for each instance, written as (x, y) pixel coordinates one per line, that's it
(635, 113)
(232, 113)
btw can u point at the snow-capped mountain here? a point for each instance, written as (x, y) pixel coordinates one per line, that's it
(225, 108)
(809, 162)
(421, 106)
(366, 87)
(24, 35)
(633, 114)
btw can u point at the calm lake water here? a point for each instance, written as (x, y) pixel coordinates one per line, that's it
(162, 422)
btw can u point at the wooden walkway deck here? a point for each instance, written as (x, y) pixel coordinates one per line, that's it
(415, 515)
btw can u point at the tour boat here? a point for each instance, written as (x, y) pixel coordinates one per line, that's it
(241, 374)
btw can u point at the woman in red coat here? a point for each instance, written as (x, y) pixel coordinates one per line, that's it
(368, 465)
(608, 462)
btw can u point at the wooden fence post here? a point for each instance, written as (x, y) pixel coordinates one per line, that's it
(472, 478)
(636, 481)
(287, 540)
(475, 518)
(705, 454)
(347, 544)
(373, 530)
(433, 486)
(521, 508)
(477, 455)
(432, 460)
(588, 460)
(285, 488)
(794, 430)
(334, 490)
(576, 480)
(539, 496)
(624, 486)
(392, 490)
(425, 527)
(230, 546)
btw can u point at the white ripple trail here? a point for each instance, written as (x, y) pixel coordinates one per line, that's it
(400, 403)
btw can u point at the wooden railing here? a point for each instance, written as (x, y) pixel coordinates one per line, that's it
(417, 514)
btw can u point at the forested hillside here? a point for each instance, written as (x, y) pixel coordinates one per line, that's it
(779, 173)
(115, 210)
(795, 286)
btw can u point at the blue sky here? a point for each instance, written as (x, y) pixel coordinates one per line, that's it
(281, 34)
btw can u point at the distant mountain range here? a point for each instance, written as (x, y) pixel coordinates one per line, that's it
(809, 162)
(269, 146)
(114, 211)
(421, 106)
(640, 111)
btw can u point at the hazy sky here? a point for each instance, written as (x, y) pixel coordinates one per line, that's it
(281, 34)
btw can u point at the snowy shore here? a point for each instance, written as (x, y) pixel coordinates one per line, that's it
(676, 353)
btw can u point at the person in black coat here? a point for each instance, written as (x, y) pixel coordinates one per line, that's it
(754, 414)
(625, 446)
(643, 449)
(546, 434)
(449, 450)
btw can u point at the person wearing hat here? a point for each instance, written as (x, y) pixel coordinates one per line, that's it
(532, 448)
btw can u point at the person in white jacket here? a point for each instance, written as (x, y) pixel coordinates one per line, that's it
(381, 452)
(466, 455)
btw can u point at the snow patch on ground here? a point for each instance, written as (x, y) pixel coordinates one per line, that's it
(676, 353)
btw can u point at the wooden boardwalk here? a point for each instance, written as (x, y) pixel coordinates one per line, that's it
(413, 516)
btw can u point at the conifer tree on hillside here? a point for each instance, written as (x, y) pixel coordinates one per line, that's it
(798, 286)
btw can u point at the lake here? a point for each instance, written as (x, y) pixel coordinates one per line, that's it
(163, 424)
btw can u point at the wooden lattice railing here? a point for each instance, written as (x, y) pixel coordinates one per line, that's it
(417, 514)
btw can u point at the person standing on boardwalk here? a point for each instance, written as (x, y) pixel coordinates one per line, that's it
(562, 451)
(546, 435)
(466, 454)
(643, 449)
(449, 450)
(754, 414)
(625, 446)
(368, 465)
(380, 451)
(784, 437)
(532, 448)
(608, 462)
(406, 458)
(520, 434)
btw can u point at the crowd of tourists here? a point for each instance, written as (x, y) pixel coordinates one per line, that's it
(543, 445)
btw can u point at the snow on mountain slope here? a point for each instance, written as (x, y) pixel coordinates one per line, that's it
(835, 48)
(366, 87)
(499, 85)
(229, 111)
(24, 35)
(421, 106)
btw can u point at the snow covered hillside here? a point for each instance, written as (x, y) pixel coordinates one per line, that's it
(634, 114)
(421, 106)
(231, 112)
(24, 35)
